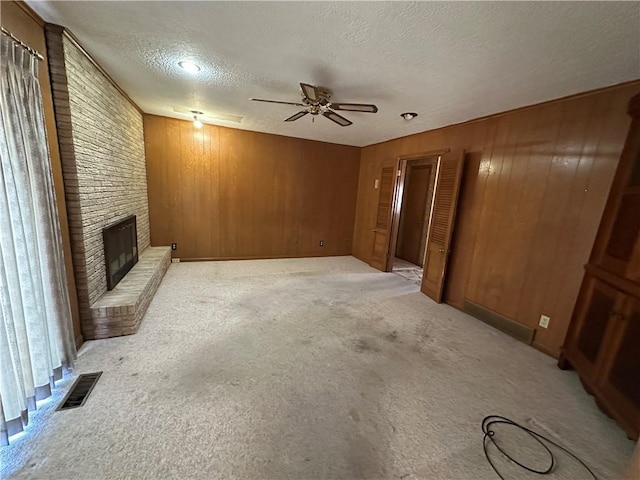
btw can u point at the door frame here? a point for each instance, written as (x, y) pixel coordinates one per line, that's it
(396, 203)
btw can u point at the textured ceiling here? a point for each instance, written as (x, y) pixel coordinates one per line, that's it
(448, 61)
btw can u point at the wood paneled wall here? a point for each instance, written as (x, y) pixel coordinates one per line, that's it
(226, 193)
(20, 20)
(534, 188)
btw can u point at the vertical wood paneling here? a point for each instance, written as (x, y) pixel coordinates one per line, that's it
(224, 193)
(202, 146)
(579, 153)
(529, 208)
(481, 281)
(513, 226)
(173, 169)
(472, 188)
(154, 150)
(190, 223)
(533, 258)
(545, 267)
(605, 129)
(228, 189)
(536, 165)
(290, 175)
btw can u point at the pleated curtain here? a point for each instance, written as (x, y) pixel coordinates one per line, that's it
(36, 336)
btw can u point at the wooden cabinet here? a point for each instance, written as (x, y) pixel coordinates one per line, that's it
(603, 341)
(621, 372)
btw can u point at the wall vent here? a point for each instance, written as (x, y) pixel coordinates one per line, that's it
(516, 330)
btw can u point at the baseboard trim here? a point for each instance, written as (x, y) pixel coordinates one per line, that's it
(511, 327)
(260, 257)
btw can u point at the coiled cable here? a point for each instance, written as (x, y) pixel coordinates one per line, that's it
(489, 435)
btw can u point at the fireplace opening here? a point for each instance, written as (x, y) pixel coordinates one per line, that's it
(120, 249)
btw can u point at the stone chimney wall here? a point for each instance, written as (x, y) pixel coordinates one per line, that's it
(100, 132)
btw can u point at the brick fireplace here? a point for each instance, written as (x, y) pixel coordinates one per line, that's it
(100, 133)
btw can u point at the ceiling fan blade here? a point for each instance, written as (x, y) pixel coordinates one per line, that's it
(354, 107)
(310, 92)
(296, 116)
(277, 101)
(339, 119)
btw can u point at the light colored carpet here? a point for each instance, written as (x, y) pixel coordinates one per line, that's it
(408, 270)
(402, 264)
(307, 368)
(414, 275)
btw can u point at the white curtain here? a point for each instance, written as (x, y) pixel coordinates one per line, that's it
(36, 337)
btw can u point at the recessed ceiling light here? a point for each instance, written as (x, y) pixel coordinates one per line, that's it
(189, 67)
(409, 115)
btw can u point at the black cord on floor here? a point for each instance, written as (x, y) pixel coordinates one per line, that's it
(489, 434)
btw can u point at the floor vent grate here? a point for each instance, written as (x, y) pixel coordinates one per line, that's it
(79, 391)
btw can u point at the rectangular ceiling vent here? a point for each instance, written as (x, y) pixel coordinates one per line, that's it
(80, 391)
(208, 115)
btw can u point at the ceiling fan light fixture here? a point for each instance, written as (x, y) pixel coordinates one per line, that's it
(189, 67)
(409, 115)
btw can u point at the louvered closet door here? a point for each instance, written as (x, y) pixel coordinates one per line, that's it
(383, 219)
(441, 223)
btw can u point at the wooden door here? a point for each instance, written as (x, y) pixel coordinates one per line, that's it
(443, 212)
(386, 189)
(412, 218)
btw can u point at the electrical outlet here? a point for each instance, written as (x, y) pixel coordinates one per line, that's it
(322, 243)
(175, 260)
(174, 246)
(544, 321)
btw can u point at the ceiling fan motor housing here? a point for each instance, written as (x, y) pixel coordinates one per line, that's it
(323, 96)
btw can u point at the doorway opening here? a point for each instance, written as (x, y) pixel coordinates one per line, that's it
(442, 213)
(415, 199)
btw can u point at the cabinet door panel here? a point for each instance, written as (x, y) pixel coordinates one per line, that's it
(626, 226)
(623, 372)
(620, 380)
(595, 318)
(634, 178)
(621, 253)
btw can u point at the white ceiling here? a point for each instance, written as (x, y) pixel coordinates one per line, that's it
(448, 61)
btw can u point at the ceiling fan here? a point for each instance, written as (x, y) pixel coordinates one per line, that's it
(315, 101)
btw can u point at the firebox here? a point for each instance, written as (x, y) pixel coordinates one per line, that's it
(120, 249)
